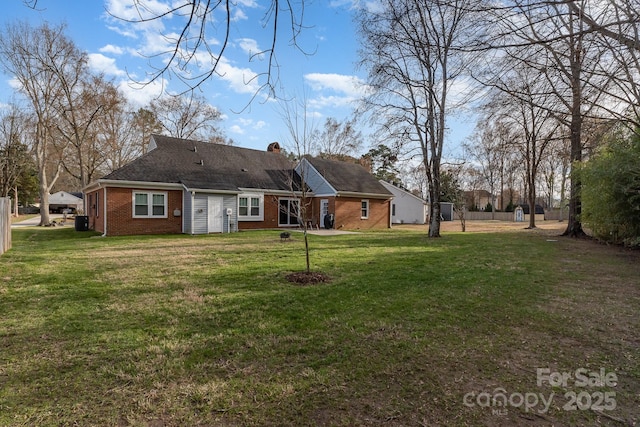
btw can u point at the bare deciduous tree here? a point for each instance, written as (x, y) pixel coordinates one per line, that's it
(534, 126)
(337, 140)
(410, 49)
(39, 59)
(552, 40)
(117, 132)
(488, 148)
(187, 116)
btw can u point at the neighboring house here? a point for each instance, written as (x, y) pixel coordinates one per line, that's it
(478, 199)
(62, 200)
(183, 186)
(348, 192)
(406, 208)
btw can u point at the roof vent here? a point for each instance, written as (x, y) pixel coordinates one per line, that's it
(245, 170)
(201, 162)
(195, 149)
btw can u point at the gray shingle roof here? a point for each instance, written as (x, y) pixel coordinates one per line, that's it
(207, 166)
(348, 177)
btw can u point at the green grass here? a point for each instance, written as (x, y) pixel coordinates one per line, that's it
(205, 330)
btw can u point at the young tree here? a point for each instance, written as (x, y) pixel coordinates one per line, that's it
(411, 51)
(300, 129)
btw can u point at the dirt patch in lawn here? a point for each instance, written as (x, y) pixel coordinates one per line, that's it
(305, 278)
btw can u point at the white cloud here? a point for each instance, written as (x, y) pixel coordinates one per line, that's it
(15, 83)
(237, 129)
(135, 11)
(141, 94)
(250, 47)
(349, 85)
(103, 64)
(322, 102)
(242, 125)
(155, 42)
(239, 15)
(248, 3)
(115, 50)
(240, 80)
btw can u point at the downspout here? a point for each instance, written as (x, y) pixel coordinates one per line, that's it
(191, 194)
(193, 212)
(104, 210)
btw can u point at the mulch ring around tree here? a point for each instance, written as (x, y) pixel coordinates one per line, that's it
(304, 278)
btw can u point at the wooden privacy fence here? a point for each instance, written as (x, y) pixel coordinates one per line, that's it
(498, 216)
(5, 224)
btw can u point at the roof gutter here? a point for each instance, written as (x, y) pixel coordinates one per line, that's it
(368, 195)
(101, 183)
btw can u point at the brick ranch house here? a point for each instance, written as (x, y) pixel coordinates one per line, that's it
(192, 187)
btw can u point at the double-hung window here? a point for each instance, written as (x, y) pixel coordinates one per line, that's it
(364, 209)
(149, 204)
(250, 207)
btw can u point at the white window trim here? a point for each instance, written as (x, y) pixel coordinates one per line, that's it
(249, 217)
(368, 207)
(150, 195)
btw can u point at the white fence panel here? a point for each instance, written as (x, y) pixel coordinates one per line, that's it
(5, 224)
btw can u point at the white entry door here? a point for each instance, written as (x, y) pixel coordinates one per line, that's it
(214, 214)
(324, 210)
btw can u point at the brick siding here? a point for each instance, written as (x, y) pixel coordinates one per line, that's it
(348, 212)
(120, 221)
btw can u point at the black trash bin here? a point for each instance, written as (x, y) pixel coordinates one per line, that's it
(82, 223)
(328, 221)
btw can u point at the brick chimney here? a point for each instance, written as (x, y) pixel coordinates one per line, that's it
(274, 147)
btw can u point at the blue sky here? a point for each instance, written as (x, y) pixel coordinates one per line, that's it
(327, 76)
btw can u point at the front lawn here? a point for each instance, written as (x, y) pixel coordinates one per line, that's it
(205, 330)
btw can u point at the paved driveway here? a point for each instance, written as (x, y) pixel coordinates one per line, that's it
(33, 222)
(325, 232)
